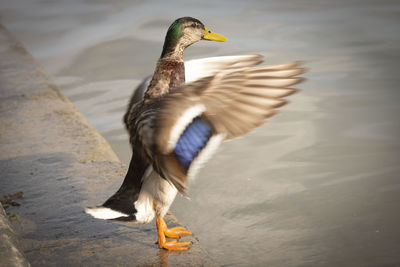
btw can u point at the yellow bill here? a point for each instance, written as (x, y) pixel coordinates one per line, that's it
(212, 36)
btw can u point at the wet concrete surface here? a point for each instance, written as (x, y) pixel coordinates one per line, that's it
(61, 164)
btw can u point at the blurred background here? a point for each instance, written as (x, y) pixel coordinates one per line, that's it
(319, 184)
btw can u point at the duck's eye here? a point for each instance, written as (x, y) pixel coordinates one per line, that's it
(209, 31)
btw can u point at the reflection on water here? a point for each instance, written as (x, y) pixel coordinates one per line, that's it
(164, 258)
(319, 184)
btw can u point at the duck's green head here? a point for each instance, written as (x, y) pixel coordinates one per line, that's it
(184, 32)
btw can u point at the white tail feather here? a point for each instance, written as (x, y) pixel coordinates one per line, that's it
(104, 213)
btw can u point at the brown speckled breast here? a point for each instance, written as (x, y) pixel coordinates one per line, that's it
(177, 76)
(168, 74)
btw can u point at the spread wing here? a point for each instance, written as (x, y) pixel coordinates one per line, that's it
(196, 69)
(196, 117)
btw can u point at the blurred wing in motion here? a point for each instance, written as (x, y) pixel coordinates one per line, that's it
(196, 117)
(196, 69)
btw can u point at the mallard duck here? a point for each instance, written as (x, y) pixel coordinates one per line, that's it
(183, 117)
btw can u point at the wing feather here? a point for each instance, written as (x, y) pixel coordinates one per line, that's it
(199, 68)
(237, 94)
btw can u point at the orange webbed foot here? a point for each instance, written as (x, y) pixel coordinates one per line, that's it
(175, 245)
(175, 232)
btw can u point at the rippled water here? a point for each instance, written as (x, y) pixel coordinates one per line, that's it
(319, 184)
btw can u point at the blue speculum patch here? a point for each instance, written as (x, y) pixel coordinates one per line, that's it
(192, 140)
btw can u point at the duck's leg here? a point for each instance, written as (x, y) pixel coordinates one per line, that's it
(175, 232)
